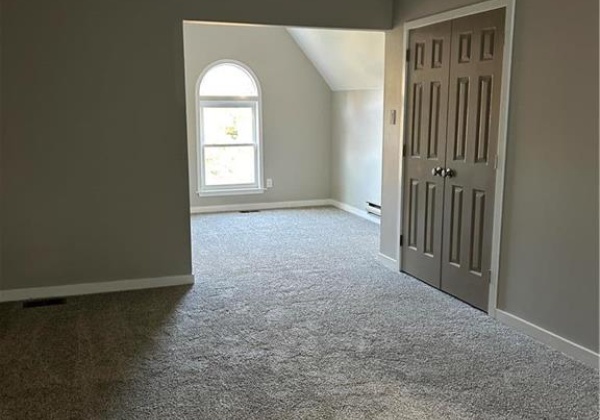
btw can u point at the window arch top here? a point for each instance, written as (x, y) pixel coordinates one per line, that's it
(228, 79)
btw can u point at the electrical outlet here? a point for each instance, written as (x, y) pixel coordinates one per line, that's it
(269, 183)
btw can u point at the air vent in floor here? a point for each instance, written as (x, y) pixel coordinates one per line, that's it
(37, 303)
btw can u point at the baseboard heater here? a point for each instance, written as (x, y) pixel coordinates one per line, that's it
(373, 208)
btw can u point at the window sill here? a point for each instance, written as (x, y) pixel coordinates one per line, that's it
(239, 191)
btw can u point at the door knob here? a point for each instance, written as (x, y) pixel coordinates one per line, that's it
(437, 171)
(447, 173)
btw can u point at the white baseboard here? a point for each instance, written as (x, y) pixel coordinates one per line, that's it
(260, 206)
(356, 211)
(561, 344)
(93, 288)
(285, 205)
(388, 262)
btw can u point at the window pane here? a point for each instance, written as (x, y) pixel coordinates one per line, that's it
(228, 125)
(228, 80)
(229, 165)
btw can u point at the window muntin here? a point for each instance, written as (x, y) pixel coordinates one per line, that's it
(229, 130)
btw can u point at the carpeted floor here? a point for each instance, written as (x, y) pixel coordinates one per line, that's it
(291, 317)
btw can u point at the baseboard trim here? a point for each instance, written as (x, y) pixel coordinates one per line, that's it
(356, 211)
(388, 262)
(93, 288)
(559, 343)
(260, 206)
(286, 205)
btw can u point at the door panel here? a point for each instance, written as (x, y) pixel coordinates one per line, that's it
(475, 72)
(427, 113)
(453, 88)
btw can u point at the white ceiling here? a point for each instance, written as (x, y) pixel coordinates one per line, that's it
(347, 60)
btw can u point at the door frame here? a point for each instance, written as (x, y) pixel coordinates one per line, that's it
(509, 6)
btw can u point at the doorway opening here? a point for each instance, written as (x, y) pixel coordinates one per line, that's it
(281, 117)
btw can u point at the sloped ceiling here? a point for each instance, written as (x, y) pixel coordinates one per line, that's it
(347, 60)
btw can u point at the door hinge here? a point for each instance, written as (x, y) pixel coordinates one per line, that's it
(401, 240)
(496, 163)
(407, 56)
(404, 150)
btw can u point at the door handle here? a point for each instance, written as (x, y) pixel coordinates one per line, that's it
(447, 173)
(437, 171)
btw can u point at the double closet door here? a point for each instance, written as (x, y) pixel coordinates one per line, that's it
(453, 88)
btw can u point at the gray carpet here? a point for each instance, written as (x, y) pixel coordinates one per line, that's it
(291, 317)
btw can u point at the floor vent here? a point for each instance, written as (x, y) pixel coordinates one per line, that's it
(37, 303)
(249, 211)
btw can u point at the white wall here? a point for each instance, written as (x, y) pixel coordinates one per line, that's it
(357, 147)
(296, 109)
(347, 60)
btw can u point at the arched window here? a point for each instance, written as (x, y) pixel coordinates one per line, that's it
(229, 131)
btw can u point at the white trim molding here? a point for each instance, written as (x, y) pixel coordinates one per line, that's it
(94, 288)
(232, 191)
(356, 211)
(509, 6)
(253, 102)
(286, 205)
(260, 206)
(551, 339)
(388, 262)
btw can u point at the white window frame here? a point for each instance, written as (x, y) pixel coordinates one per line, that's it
(254, 102)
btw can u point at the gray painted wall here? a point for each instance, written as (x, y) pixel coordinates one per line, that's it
(296, 109)
(549, 257)
(93, 170)
(356, 147)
